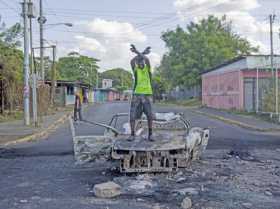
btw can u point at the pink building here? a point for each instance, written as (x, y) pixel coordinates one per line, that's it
(234, 85)
(113, 95)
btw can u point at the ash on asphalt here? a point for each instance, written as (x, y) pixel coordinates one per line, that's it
(14, 153)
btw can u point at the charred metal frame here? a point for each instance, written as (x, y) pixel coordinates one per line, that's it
(167, 159)
(163, 155)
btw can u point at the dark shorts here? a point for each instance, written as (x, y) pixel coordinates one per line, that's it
(140, 104)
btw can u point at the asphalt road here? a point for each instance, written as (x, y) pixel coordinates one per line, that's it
(43, 175)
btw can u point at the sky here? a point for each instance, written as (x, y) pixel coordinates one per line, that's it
(105, 29)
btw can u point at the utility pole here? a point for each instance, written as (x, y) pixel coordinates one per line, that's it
(271, 21)
(32, 69)
(42, 20)
(277, 90)
(53, 85)
(26, 64)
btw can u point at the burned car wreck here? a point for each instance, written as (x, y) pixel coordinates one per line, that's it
(176, 143)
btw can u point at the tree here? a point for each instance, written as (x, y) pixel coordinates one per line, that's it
(122, 79)
(201, 46)
(11, 60)
(11, 36)
(159, 84)
(77, 67)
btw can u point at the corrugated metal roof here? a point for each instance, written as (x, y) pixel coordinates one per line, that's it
(75, 83)
(224, 64)
(237, 59)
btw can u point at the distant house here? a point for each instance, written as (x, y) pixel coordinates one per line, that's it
(65, 92)
(107, 83)
(106, 95)
(233, 85)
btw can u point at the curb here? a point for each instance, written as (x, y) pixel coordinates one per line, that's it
(178, 105)
(37, 136)
(237, 123)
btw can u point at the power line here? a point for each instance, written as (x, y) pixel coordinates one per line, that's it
(154, 22)
(155, 19)
(119, 35)
(6, 8)
(154, 25)
(55, 14)
(7, 5)
(108, 11)
(69, 14)
(106, 14)
(18, 4)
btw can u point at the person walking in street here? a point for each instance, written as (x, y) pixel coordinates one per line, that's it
(78, 107)
(142, 92)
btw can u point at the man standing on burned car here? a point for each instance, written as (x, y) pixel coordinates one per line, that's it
(142, 91)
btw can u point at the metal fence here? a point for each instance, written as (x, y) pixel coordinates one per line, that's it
(261, 90)
(185, 93)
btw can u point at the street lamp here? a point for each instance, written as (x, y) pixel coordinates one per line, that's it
(56, 24)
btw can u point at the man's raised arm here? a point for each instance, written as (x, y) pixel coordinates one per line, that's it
(133, 63)
(147, 62)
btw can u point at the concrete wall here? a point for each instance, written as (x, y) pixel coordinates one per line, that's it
(70, 98)
(111, 96)
(59, 97)
(223, 90)
(100, 96)
(91, 97)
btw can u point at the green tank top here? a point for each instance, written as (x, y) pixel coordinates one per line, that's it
(143, 83)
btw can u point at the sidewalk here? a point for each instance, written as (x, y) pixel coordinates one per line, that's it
(13, 132)
(245, 121)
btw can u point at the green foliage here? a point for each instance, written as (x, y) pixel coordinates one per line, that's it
(10, 57)
(76, 67)
(270, 100)
(159, 84)
(122, 79)
(11, 36)
(11, 60)
(199, 47)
